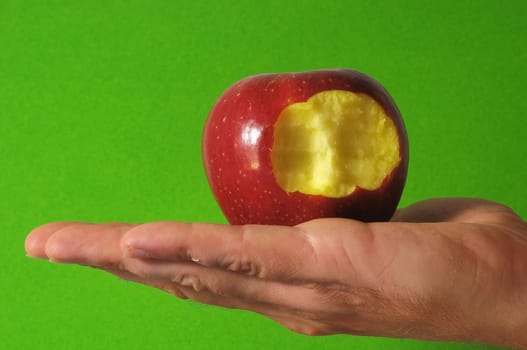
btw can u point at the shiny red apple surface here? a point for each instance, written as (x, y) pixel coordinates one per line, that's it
(287, 148)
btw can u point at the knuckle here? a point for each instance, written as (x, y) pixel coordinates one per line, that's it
(173, 289)
(242, 265)
(186, 280)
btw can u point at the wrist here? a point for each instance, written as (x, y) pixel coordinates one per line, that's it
(507, 327)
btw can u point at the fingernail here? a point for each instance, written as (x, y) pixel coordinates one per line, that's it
(139, 253)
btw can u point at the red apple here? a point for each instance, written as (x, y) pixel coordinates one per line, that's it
(286, 148)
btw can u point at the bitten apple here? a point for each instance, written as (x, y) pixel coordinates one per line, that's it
(286, 148)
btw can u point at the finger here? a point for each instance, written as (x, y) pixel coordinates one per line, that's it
(300, 325)
(316, 319)
(270, 252)
(292, 319)
(168, 287)
(468, 210)
(303, 298)
(35, 243)
(87, 244)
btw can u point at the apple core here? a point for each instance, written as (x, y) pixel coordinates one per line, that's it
(332, 143)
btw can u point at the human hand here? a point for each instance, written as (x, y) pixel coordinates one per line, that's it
(442, 269)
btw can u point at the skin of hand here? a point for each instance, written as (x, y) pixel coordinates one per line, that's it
(451, 269)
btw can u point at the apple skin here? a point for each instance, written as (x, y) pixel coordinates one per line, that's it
(237, 142)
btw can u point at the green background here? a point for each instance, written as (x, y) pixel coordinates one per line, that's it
(102, 105)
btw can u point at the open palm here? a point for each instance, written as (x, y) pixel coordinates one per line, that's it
(442, 269)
